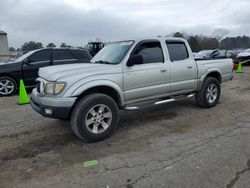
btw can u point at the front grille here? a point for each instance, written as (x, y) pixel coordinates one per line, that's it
(40, 85)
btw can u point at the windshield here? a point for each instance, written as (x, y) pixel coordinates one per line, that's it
(204, 53)
(23, 57)
(113, 53)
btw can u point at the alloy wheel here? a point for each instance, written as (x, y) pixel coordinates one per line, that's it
(98, 118)
(212, 93)
(6, 87)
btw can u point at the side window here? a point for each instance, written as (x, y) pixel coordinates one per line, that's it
(43, 55)
(215, 54)
(151, 52)
(81, 54)
(62, 55)
(177, 51)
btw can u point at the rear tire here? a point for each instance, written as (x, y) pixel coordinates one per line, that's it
(95, 117)
(8, 86)
(209, 94)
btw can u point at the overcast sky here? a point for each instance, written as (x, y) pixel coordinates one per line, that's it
(77, 21)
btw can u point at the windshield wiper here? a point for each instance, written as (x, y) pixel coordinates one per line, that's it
(103, 62)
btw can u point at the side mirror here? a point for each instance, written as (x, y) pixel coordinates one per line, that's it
(135, 60)
(27, 61)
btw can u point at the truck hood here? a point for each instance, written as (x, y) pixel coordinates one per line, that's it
(82, 70)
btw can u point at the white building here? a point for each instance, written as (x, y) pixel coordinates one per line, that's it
(4, 47)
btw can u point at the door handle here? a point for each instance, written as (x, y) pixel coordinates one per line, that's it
(163, 70)
(190, 67)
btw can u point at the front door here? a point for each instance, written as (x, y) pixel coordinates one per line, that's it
(149, 79)
(37, 60)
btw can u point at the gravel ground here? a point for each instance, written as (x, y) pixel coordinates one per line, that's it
(172, 145)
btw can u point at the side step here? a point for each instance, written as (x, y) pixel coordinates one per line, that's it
(172, 99)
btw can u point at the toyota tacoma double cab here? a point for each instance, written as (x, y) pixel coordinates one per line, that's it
(127, 75)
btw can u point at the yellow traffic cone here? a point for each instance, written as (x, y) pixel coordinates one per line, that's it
(23, 96)
(239, 69)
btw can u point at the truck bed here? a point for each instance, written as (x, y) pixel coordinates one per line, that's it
(221, 66)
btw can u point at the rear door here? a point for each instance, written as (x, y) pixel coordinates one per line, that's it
(37, 60)
(63, 56)
(183, 67)
(149, 79)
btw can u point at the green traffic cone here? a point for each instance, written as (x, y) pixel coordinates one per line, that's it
(23, 96)
(239, 69)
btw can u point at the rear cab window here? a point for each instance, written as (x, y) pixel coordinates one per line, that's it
(177, 50)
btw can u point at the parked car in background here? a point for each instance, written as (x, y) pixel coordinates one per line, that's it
(26, 67)
(244, 56)
(235, 52)
(211, 54)
(229, 53)
(127, 75)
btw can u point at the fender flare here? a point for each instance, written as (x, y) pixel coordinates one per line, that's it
(98, 83)
(209, 71)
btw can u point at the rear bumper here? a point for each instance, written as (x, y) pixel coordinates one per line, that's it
(58, 108)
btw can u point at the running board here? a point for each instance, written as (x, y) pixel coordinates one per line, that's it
(136, 107)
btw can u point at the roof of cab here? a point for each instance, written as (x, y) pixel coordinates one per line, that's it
(154, 38)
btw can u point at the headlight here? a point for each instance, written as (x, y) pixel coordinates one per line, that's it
(49, 88)
(54, 88)
(59, 87)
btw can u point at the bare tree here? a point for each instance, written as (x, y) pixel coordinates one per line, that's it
(220, 33)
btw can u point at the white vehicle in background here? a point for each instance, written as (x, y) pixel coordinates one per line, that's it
(244, 56)
(211, 54)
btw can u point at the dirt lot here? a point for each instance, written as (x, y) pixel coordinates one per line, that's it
(172, 145)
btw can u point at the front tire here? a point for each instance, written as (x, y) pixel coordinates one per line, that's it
(8, 86)
(209, 94)
(95, 117)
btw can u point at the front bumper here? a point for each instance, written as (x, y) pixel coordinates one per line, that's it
(58, 108)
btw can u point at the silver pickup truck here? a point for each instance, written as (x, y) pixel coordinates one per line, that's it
(127, 75)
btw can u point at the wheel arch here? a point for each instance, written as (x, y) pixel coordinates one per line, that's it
(107, 90)
(10, 76)
(100, 86)
(214, 73)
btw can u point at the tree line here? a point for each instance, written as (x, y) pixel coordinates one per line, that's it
(217, 40)
(32, 45)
